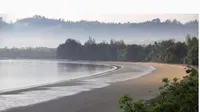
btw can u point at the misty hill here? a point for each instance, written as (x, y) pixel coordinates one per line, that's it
(59, 29)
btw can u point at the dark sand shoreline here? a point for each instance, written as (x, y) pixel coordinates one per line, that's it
(105, 99)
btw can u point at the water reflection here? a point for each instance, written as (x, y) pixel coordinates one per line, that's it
(75, 67)
(22, 73)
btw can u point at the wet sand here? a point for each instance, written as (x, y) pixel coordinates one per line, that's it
(106, 99)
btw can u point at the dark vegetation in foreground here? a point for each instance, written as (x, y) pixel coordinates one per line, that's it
(176, 96)
(166, 51)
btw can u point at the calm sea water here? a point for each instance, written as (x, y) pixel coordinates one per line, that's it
(16, 74)
(23, 73)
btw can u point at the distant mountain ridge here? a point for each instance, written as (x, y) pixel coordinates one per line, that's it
(142, 32)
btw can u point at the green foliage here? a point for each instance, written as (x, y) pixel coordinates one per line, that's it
(192, 54)
(166, 51)
(127, 104)
(164, 107)
(175, 53)
(176, 96)
(70, 49)
(134, 53)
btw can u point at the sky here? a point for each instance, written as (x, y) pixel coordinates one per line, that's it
(75, 10)
(8, 17)
(100, 10)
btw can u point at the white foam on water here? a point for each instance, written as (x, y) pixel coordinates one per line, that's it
(64, 80)
(125, 76)
(50, 93)
(38, 96)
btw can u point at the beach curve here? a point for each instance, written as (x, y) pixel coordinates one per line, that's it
(91, 93)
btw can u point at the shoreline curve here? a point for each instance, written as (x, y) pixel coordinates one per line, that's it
(114, 68)
(128, 70)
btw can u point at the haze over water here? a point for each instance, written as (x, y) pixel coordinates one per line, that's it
(34, 73)
(23, 73)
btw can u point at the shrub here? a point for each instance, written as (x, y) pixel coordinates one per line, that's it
(177, 96)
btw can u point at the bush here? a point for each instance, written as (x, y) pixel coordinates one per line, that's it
(177, 96)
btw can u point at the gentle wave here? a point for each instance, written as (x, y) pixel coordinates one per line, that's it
(60, 81)
(34, 97)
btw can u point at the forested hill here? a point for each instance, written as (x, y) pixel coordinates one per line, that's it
(143, 32)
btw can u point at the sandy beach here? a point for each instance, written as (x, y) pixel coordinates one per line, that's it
(106, 99)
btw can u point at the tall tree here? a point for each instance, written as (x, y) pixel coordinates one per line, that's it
(90, 49)
(71, 49)
(166, 51)
(192, 54)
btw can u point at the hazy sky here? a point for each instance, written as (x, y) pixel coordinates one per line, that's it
(106, 17)
(101, 10)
